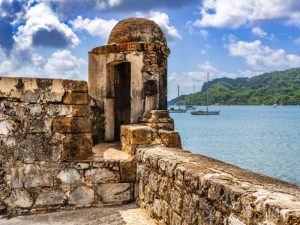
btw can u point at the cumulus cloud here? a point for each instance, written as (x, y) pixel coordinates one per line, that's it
(63, 64)
(162, 19)
(234, 13)
(43, 28)
(258, 55)
(10, 12)
(95, 27)
(257, 31)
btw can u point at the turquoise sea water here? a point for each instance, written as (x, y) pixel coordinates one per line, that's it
(259, 138)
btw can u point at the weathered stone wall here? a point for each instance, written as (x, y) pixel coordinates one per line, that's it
(44, 120)
(177, 187)
(46, 158)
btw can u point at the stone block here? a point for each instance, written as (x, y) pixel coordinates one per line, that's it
(16, 177)
(55, 110)
(69, 176)
(176, 219)
(132, 135)
(30, 97)
(82, 166)
(6, 127)
(176, 200)
(25, 154)
(153, 182)
(44, 84)
(20, 199)
(55, 92)
(8, 85)
(102, 175)
(51, 97)
(159, 114)
(32, 169)
(52, 197)
(58, 110)
(114, 192)
(157, 208)
(82, 196)
(38, 180)
(128, 171)
(75, 86)
(80, 110)
(170, 139)
(77, 147)
(37, 126)
(35, 109)
(76, 99)
(9, 141)
(71, 125)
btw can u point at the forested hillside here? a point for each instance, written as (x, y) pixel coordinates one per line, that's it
(280, 87)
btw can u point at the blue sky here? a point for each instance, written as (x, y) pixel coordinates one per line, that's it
(232, 38)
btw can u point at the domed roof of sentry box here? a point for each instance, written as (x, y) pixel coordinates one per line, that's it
(137, 30)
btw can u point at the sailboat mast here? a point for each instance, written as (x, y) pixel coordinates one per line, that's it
(178, 96)
(207, 92)
(194, 100)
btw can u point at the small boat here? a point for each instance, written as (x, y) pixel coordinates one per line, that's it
(188, 107)
(179, 110)
(173, 110)
(205, 112)
(275, 105)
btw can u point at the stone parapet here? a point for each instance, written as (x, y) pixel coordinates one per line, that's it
(178, 187)
(44, 119)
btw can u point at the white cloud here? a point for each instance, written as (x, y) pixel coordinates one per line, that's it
(257, 31)
(234, 13)
(294, 19)
(203, 33)
(104, 4)
(95, 27)
(260, 56)
(102, 28)
(62, 64)
(162, 19)
(43, 27)
(297, 41)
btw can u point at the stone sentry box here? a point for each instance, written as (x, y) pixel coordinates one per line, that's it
(128, 76)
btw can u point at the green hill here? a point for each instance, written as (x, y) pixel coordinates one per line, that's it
(280, 87)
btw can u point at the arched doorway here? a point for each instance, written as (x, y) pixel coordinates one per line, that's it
(122, 103)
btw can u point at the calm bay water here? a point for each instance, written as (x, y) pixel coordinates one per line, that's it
(259, 138)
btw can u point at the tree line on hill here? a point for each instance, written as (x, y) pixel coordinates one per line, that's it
(279, 87)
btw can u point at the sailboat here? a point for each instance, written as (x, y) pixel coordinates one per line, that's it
(206, 112)
(191, 107)
(179, 110)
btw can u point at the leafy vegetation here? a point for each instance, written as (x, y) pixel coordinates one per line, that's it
(280, 87)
